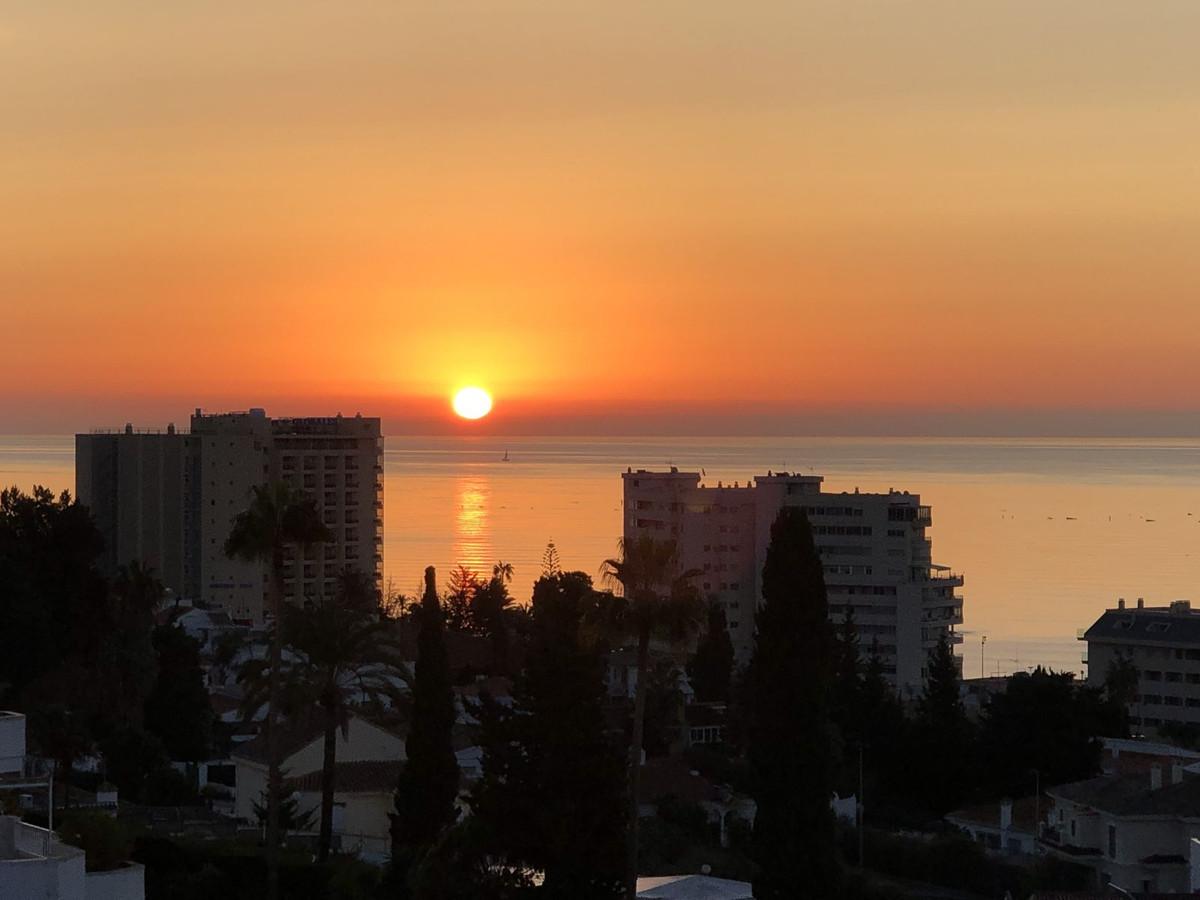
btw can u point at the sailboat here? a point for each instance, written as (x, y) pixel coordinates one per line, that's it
(505, 457)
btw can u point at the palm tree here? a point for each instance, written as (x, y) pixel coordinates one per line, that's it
(277, 517)
(657, 598)
(345, 656)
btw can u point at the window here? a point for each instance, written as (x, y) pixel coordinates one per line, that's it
(1174, 676)
(1112, 841)
(1153, 676)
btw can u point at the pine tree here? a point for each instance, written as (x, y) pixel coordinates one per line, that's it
(549, 767)
(788, 743)
(846, 711)
(428, 783)
(711, 669)
(943, 742)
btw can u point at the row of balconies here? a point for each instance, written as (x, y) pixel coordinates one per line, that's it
(291, 463)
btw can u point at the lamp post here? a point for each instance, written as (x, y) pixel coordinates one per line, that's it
(982, 644)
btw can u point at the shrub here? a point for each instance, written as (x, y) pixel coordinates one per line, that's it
(98, 835)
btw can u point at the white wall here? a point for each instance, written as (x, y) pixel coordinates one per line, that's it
(128, 883)
(366, 743)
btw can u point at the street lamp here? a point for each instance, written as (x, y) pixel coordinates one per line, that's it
(982, 644)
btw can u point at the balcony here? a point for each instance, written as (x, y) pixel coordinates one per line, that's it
(940, 574)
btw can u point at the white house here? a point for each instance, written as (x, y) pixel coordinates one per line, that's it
(1135, 830)
(34, 863)
(302, 752)
(363, 798)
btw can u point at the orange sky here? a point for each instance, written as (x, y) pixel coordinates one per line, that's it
(687, 215)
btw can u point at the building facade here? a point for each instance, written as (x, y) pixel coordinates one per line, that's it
(169, 499)
(1163, 644)
(133, 482)
(1139, 832)
(877, 558)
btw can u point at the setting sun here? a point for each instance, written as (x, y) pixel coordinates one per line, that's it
(472, 403)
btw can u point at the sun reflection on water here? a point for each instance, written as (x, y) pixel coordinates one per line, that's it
(472, 523)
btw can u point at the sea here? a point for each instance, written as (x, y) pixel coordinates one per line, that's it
(1047, 532)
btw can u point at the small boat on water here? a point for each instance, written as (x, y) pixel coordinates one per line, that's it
(505, 458)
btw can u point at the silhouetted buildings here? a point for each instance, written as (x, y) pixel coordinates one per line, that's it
(877, 558)
(168, 499)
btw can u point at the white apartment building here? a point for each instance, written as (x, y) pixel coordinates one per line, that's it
(169, 499)
(877, 559)
(1163, 643)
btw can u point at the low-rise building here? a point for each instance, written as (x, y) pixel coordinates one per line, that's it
(1136, 831)
(36, 865)
(1006, 828)
(1163, 644)
(301, 751)
(364, 796)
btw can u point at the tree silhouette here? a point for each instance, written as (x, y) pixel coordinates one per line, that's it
(788, 744)
(943, 734)
(656, 598)
(711, 668)
(548, 762)
(428, 786)
(342, 655)
(276, 518)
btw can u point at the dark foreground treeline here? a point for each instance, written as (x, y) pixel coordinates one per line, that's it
(555, 812)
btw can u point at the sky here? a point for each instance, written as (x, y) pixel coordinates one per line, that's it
(674, 217)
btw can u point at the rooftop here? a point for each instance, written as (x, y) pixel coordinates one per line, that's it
(1131, 795)
(1174, 624)
(1024, 814)
(693, 887)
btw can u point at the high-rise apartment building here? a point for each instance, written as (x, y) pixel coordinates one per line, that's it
(169, 500)
(134, 484)
(877, 559)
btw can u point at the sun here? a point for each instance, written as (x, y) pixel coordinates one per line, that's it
(472, 403)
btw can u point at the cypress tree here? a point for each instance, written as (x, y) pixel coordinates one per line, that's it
(552, 793)
(788, 744)
(711, 669)
(428, 783)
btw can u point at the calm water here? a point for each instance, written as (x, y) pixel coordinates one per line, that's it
(1047, 532)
